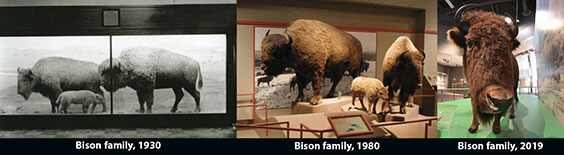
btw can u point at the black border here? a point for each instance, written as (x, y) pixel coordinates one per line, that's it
(34, 28)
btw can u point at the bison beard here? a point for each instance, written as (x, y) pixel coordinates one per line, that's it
(52, 75)
(489, 65)
(403, 65)
(314, 50)
(145, 69)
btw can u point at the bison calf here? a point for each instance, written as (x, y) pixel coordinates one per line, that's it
(371, 88)
(145, 69)
(87, 98)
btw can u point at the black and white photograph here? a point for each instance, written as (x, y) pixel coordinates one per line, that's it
(280, 91)
(34, 71)
(187, 73)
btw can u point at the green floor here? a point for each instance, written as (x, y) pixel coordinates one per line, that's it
(532, 120)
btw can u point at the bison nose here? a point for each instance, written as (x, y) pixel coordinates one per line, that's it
(501, 101)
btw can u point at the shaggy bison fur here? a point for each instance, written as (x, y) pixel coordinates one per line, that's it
(370, 87)
(52, 75)
(403, 67)
(87, 98)
(145, 69)
(314, 50)
(489, 65)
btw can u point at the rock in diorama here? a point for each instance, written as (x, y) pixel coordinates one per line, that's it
(314, 50)
(51, 76)
(403, 67)
(372, 88)
(145, 69)
(489, 65)
(86, 98)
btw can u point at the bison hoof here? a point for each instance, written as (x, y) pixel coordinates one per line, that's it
(471, 130)
(140, 110)
(496, 130)
(512, 116)
(410, 105)
(197, 110)
(332, 95)
(403, 111)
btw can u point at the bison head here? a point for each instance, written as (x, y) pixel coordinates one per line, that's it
(26, 82)
(413, 63)
(275, 50)
(100, 99)
(113, 76)
(383, 93)
(487, 40)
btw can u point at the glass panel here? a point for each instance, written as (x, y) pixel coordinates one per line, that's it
(174, 68)
(35, 70)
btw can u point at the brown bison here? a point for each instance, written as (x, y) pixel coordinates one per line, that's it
(403, 67)
(52, 75)
(145, 69)
(314, 50)
(489, 65)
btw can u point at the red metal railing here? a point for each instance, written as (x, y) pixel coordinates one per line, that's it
(254, 109)
(319, 133)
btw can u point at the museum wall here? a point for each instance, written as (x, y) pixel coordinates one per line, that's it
(550, 57)
(415, 19)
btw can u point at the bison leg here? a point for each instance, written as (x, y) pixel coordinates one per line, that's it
(91, 107)
(361, 99)
(178, 96)
(354, 96)
(475, 121)
(410, 101)
(403, 97)
(496, 128)
(317, 85)
(54, 105)
(512, 111)
(196, 95)
(374, 105)
(141, 97)
(302, 83)
(333, 86)
(149, 100)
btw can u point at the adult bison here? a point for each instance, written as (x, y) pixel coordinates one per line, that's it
(403, 67)
(314, 50)
(489, 65)
(52, 75)
(145, 69)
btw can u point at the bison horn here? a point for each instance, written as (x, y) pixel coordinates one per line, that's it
(402, 54)
(515, 29)
(460, 24)
(267, 32)
(19, 69)
(289, 39)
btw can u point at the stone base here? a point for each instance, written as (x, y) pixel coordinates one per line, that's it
(326, 105)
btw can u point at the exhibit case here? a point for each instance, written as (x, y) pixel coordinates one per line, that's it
(151, 66)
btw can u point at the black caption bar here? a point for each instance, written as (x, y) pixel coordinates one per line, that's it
(281, 145)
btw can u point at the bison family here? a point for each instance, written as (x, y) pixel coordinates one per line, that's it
(87, 98)
(403, 67)
(489, 65)
(52, 75)
(145, 69)
(314, 50)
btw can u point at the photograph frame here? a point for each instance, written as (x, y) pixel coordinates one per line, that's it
(359, 117)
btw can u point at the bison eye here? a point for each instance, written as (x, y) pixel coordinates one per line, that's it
(470, 44)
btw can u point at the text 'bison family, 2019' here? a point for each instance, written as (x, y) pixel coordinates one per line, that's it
(51, 76)
(489, 65)
(314, 50)
(145, 69)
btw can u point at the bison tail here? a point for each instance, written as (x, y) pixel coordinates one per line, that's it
(199, 81)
